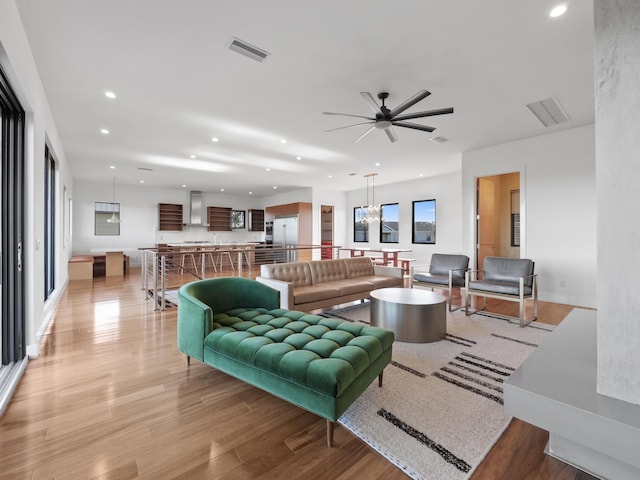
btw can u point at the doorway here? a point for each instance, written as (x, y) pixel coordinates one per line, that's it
(497, 217)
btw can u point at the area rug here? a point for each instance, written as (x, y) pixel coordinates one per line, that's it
(440, 409)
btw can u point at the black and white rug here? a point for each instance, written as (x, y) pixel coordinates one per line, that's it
(440, 408)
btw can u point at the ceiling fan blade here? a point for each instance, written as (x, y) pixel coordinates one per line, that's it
(350, 126)
(415, 126)
(369, 130)
(348, 115)
(409, 102)
(391, 134)
(430, 113)
(371, 102)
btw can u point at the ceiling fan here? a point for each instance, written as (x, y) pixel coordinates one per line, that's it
(385, 119)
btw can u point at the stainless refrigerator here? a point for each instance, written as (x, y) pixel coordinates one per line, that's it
(285, 235)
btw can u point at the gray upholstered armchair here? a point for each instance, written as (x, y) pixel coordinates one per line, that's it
(445, 272)
(506, 279)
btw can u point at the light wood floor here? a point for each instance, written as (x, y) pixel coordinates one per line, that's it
(110, 397)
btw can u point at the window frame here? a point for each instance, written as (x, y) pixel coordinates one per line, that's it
(413, 222)
(382, 222)
(359, 225)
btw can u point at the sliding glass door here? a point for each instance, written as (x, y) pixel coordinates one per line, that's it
(11, 226)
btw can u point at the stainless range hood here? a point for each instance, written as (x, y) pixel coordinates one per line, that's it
(196, 214)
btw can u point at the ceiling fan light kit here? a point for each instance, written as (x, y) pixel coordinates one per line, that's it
(385, 119)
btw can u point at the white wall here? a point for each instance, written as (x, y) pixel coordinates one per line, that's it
(618, 169)
(445, 189)
(558, 208)
(17, 62)
(139, 218)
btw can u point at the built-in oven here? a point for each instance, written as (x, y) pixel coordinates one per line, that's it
(268, 232)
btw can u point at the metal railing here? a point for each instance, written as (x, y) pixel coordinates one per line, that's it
(160, 266)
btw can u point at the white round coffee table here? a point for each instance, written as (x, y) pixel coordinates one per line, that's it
(414, 315)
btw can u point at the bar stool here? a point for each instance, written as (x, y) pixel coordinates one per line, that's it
(211, 255)
(188, 256)
(226, 253)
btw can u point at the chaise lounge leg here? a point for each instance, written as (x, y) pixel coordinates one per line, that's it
(188, 361)
(330, 426)
(380, 379)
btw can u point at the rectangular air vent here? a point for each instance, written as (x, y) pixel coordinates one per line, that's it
(549, 112)
(145, 169)
(439, 139)
(248, 50)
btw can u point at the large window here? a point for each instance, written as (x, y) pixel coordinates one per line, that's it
(107, 218)
(12, 333)
(360, 227)
(49, 222)
(424, 221)
(389, 224)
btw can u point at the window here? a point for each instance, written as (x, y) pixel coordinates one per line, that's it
(389, 224)
(360, 228)
(107, 218)
(424, 221)
(49, 221)
(515, 218)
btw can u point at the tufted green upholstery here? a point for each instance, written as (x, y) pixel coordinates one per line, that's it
(318, 363)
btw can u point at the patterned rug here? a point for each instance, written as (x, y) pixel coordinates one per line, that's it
(440, 408)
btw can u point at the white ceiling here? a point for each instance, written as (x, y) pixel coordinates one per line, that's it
(178, 85)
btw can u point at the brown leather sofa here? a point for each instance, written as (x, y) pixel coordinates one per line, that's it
(318, 284)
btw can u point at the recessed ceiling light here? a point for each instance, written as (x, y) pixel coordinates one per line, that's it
(275, 188)
(267, 169)
(104, 131)
(141, 181)
(109, 94)
(330, 176)
(421, 175)
(112, 167)
(283, 141)
(557, 11)
(214, 139)
(184, 186)
(222, 189)
(377, 164)
(298, 158)
(250, 193)
(192, 156)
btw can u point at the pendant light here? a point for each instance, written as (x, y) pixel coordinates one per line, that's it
(371, 210)
(113, 218)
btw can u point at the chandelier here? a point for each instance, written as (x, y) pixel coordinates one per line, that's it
(113, 218)
(370, 211)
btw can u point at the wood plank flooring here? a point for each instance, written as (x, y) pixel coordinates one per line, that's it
(110, 398)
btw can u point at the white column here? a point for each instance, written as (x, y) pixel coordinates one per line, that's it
(617, 92)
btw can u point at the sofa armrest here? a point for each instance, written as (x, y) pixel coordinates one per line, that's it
(285, 289)
(385, 271)
(195, 322)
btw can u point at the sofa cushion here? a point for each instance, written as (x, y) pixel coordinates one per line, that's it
(323, 354)
(314, 293)
(297, 273)
(382, 282)
(327, 271)
(351, 286)
(358, 267)
(500, 269)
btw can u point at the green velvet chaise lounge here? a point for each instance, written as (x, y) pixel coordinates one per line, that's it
(320, 364)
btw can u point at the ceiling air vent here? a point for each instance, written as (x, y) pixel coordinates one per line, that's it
(248, 50)
(439, 139)
(549, 112)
